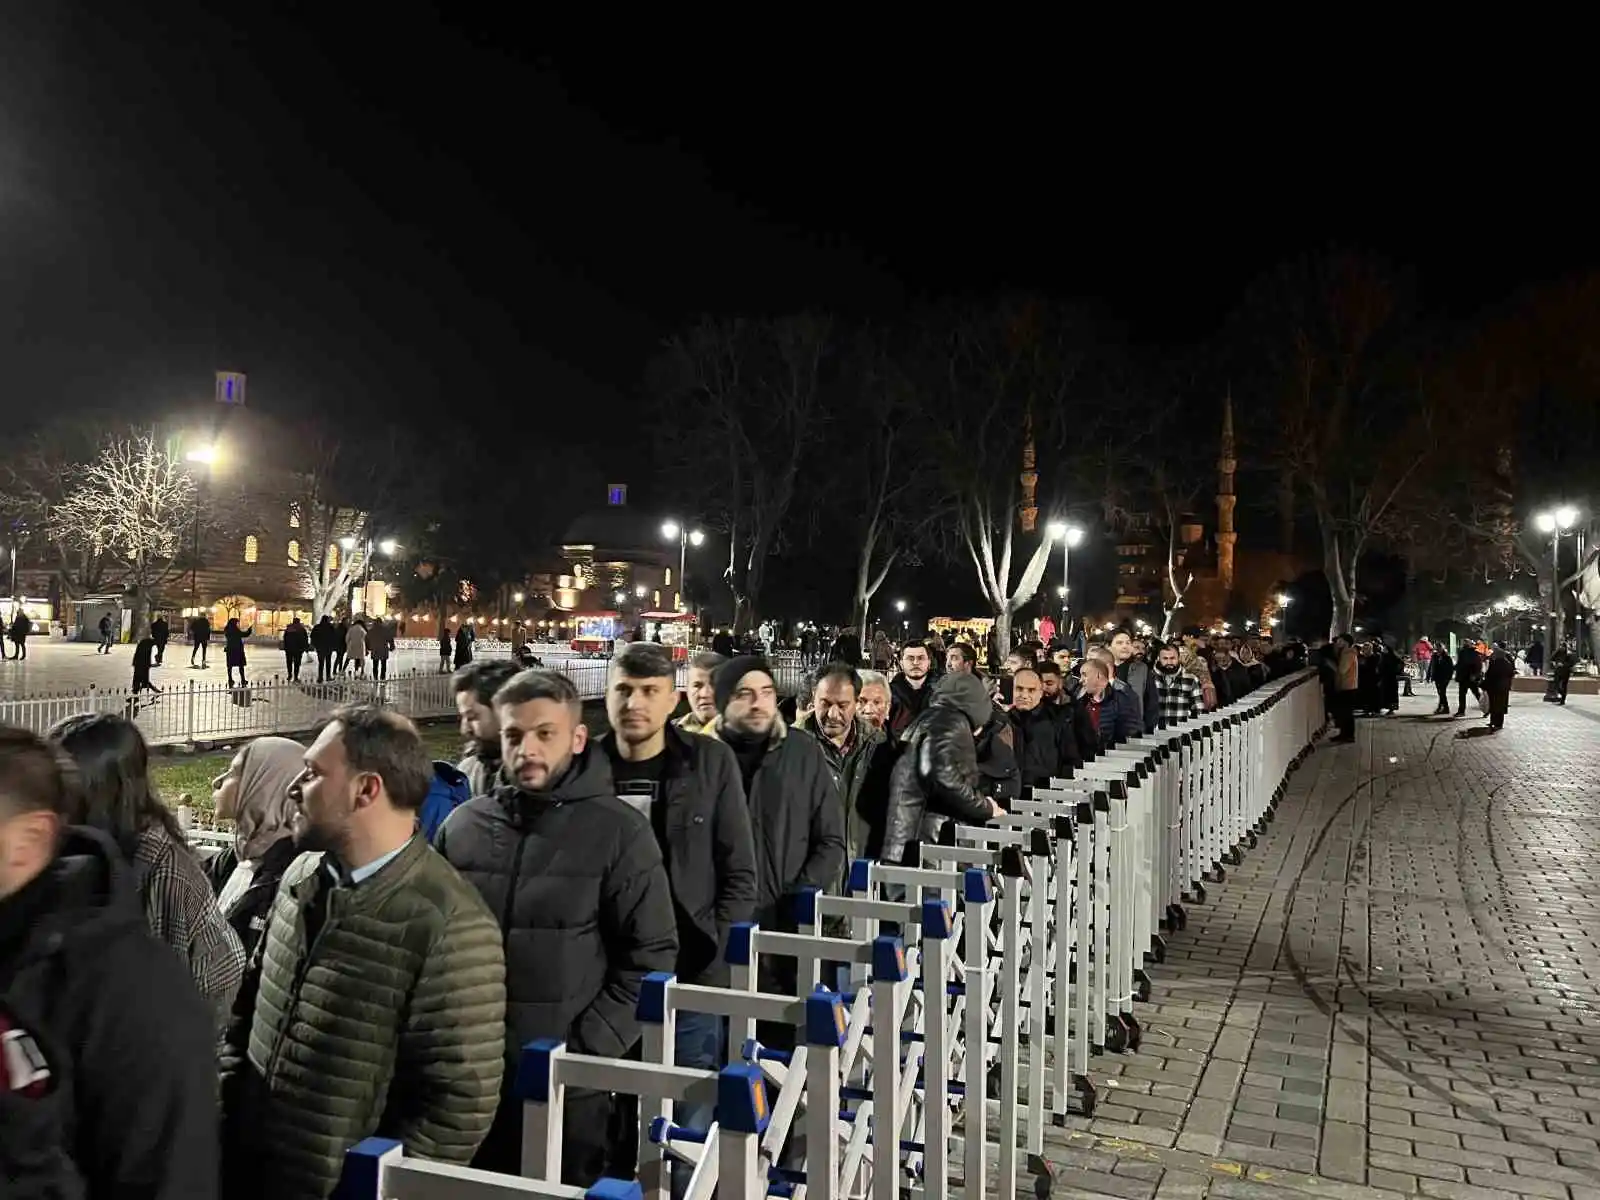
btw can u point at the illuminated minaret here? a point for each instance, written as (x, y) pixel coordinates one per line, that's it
(1029, 511)
(1226, 464)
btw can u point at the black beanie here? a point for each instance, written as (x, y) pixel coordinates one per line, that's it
(729, 673)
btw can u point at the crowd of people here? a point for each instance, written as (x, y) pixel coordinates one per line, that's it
(359, 963)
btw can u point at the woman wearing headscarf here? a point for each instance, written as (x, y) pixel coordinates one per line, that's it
(253, 793)
(114, 796)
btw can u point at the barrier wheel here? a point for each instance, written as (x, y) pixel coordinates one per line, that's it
(1199, 893)
(1250, 841)
(1086, 1093)
(1179, 917)
(1218, 874)
(1116, 1035)
(1135, 1034)
(1143, 982)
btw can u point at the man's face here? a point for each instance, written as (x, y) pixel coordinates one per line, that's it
(477, 719)
(1063, 660)
(1016, 662)
(27, 844)
(1121, 647)
(1169, 658)
(329, 794)
(955, 662)
(639, 708)
(537, 741)
(1095, 678)
(1051, 682)
(914, 663)
(753, 707)
(1026, 690)
(835, 707)
(873, 703)
(702, 694)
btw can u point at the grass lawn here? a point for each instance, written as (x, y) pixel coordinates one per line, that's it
(175, 774)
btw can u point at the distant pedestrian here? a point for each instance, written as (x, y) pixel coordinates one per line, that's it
(105, 635)
(21, 627)
(1441, 670)
(341, 641)
(379, 643)
(1536, 658)
(446, 649)
(295, 643)
(464, 639)
(199, 639)
(233, 649)
(1497, 677)
(355, 647)
(160, 631)
(143, 654)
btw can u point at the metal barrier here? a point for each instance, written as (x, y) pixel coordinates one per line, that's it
(1018, 954)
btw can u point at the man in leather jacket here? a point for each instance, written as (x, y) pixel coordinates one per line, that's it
(937, 776)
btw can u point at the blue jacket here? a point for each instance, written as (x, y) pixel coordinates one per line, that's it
(1117, 721)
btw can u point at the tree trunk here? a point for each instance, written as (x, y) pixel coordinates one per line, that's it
(139, 605)
(1002, 635)
(1338, 587)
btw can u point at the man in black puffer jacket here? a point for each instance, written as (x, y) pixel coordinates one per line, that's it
(576, 878)
(937, 775)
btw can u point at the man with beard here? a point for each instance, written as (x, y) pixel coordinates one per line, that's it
(700, 693)
(1045, 745)
(475, 685)
(1133, 671)
(857, 753)
(908, 691)
(796, 815)
(576, 877)
(379, 981)
(688, 788)
(1177, 691)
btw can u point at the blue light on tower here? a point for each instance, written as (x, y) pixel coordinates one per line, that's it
(617, 494)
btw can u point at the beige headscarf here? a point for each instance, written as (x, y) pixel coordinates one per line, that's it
(265, 811)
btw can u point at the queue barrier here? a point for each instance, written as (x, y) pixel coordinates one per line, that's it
(962, 1014)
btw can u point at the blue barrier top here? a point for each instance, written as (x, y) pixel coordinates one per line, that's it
(825, 1019)
(938, 921)
(652, 1006)
(741, 943)
(888, 960)
(742, 1100)
(533, 1070)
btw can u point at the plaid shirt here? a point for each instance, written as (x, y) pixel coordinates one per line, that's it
(182, 912)
(1180, 696)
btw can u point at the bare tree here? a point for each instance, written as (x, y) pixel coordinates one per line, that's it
(335, 535)
(749, 413)
(131, 508)
(38, 477)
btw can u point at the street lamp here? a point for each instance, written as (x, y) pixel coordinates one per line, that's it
(1284, 599)
(202, 456)
(1557, 522)
(621, 597)
(686, 538)
(1069, 536)
(900, 606)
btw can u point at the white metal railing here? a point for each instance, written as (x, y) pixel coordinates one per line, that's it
(217, 712)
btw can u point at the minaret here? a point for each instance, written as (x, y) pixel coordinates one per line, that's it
(1029, 512)
(1226, 464)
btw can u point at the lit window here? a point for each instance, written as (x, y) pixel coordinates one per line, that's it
(294, 553)
(667, 580)
(333, 558)
(294, 514)
(250, 549)
(657, 600)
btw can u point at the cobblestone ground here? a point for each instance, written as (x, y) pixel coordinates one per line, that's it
(1396, 994)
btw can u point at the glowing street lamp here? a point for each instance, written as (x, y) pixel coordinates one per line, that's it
(205, 455)
(1069, 536)
(1284, 599)
(1557, 522)
(900, 606)
(685, 538)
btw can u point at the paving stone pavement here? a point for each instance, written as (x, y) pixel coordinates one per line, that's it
(1397, 993)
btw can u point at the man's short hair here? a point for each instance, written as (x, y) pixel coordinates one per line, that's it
(539, 684)
(915, 645)
(1103, 668)
(645, 660)
(483, 678)
(1048, 667)
(380, 741)
(33, 775)
(872, 679)
(968, 654)
(707, 660)
(837, 670)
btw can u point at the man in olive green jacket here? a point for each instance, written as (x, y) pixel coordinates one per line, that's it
(376, 1004)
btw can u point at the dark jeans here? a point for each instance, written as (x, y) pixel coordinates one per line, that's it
(583, 1138)
(1344, 712)
(1461, 696)
(200, 649)
(1444, 696)
(22, 646)
(105, 643)
(699, 1044)
(292, 659)
(324, 665)
(161, 652)
(1556, 689)
(380, 666)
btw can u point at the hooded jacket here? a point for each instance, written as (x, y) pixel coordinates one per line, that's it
(575, 878)
(937, 775)
(136, 1114)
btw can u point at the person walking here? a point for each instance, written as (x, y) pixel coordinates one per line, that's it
(446, 648)
(465, 636)
(355, 647)
(143, 656)
(233, 649)
(105, 635)
(378, 644)
(325, 640)
(1346, 686)
(199, 639)
(21, 627)
(1497, 679)
(1469, 671)
(1441, 669)
(1561, 663)
(1536, 658)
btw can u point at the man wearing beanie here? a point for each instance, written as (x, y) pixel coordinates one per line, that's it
(936, 777)
(795, 811)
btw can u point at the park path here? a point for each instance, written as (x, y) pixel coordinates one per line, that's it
(1397, 993)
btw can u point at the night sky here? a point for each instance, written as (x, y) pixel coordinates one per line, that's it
(399, 217)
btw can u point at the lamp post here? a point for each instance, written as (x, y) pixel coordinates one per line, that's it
(1556, 522)
(205, 456)
(1069, 536)
(686, 537)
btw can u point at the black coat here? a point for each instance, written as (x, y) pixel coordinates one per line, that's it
(325, 637)
(1044, 744)
(797, 821)
(935, 776)
(296, 639)
(907, 703)
(119, 1016)
(248, 914)
(710, 854)
(575, 877)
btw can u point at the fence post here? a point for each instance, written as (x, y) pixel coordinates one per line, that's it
(188, 715)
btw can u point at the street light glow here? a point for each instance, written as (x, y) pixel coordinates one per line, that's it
(696, 538)
(899, 606)
(349, 543)
(1546, 522)
(621, 597)
(389, 546)
(1284, 599)
(1062, 592)
(1566, 516)
(1060, 531)
(202, 454)
(670, 530)
(516, 597)
(639, 590)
